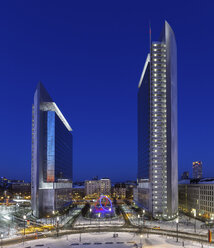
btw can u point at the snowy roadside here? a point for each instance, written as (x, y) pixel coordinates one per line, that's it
(108, 240)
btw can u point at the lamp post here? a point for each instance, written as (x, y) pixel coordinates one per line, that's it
(1, 239)
(195, 220)
(18, 206)
(53, 212)
(57, 228)
(99, 219)
(138, 219)
(177, 221)
(24, 218)
(141, 240)
(211, 221)
(110, 214)
(143, 215)
(90, 215)
(47, 219)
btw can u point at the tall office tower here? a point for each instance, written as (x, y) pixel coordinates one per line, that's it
(157, 129)
(197, 169)
(51, 168)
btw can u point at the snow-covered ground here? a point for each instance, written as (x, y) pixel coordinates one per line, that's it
(186, 224)
(86, 222)
(64, 218)
(7, 225)
(107, 240)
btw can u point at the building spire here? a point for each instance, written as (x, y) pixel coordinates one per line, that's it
(150, 36)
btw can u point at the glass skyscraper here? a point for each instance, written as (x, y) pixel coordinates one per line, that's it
(51, 171)
(157, 190)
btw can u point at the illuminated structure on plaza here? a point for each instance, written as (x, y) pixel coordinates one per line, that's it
(157, 190)
(51, 171)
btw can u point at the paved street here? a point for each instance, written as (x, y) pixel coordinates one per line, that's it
(107, 240)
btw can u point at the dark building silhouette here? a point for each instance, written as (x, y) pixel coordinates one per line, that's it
(185, 175)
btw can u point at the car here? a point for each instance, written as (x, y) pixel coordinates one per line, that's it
(155, 227)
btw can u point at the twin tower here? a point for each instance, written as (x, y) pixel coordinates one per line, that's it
(157, 190)
(52, 156)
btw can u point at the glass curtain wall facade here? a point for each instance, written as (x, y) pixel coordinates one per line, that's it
(144, 123)
(51, 171)
(157, 129)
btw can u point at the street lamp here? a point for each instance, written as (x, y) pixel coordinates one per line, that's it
(80, 237)
(24, 218)
(17, 207)
(195, 220)
(57, 229)
(53, 212)
(177, 221)
(110, 214)
(138, 219)
(1, 239)
(90, 215)
(141, 240)
(211, 220)
(99, 219)
(143, 216)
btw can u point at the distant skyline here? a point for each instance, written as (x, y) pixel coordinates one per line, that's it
(90, 56)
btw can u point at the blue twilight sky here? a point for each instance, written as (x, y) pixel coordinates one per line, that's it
(89, 56)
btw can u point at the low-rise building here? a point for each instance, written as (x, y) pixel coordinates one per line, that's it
(21, 188)
(102, 186)
(78, 192)
(196, 197)
(119, 190)
(130, 185)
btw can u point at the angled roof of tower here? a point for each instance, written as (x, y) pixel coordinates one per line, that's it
(43, 94)
(47, 103)
(166, 27)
